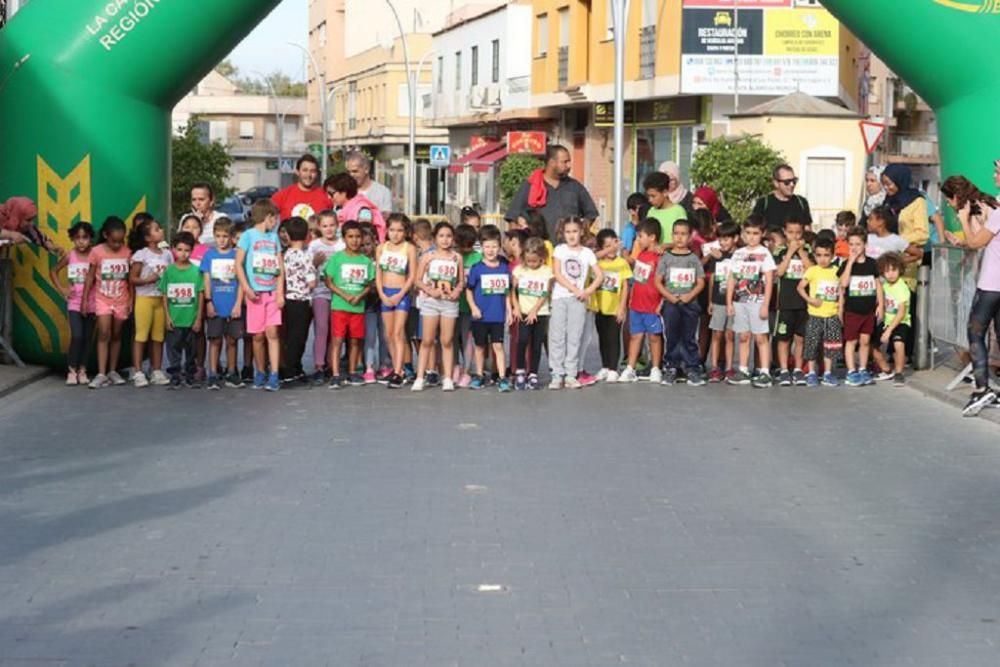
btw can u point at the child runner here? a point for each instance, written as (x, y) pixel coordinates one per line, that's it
(748, 300)
(296, 316)
(881, 240)
(820, 289)
(441, 279)
(844, 222)
(181, 285)
(349, 275)
(223, 306)
(375, 350)
(679, 279)
(466, 239)
(395, 273)
(81, 320)
(259, 268)
(423, 239)
(792, 260)
(322, 250)
(533, 280)
(192, 223)
(644, 307)
(572, 266)
(488, 294)
(861, 302)
(108, 276)
(720, 324)
(895, 326)
(610, 303)
(633, 204)
(149, 262)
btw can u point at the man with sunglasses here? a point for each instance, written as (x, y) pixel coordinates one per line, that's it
(783, 204)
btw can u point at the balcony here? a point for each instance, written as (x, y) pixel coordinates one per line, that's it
(906, 99)
(647, 52)
(907, 148)
(265, 147)
(563, 67)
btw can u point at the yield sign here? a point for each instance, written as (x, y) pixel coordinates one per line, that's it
(872, 134)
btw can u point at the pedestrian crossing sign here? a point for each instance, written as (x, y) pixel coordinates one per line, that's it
(440, 155)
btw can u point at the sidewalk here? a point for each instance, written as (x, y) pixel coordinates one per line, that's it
(13, 378)
(933, 383)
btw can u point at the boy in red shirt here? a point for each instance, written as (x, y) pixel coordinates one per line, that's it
(644, 305)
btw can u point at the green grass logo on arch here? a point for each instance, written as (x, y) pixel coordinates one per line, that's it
(982, 7)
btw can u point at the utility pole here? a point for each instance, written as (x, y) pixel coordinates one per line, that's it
(619, 11)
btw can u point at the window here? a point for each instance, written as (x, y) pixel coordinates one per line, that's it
(543, 34)
(564, 27)
(458, 70)
(440, 81)
(352, 105)
(496, 61)
(474, 65)
(246, 129)
(218, 130)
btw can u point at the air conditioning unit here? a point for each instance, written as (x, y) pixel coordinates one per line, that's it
(493, 97)
(477, 97)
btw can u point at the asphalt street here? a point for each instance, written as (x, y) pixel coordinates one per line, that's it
(632, 525)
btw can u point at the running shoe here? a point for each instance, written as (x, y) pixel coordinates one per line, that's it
(369, 377)
(612, 377)
(356, 380)
(465, 380)
(100, 381)
(520, 381)
(248, 374)
(384, 374)
(503, 386)
(656, 376)
(116, 379)
(885, 376)
(715, 375)
(233, 380)
(476, 382)
(175, 382)
(784, 378)
(898, 380)
(573, 383)
(447, 385)
(273, 382)
(979, 400)
(586, 379)
(318, 377)
(830, 380)
(866, 378)
(854, 379)
(71, 379)
(738, 378)
(139, 380)
(695, 379)
(259, 380)
(418, 385)
(762, 381)
(533, 383)
(602, 375)
(556, 383)
(812, 380)
(82, 378)
(395, 381)
(433, 378)
(336, 382)
(799, 378)
(159, 379)
(628, 375)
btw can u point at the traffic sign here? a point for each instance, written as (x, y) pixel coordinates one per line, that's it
(287, 165)
(440, 155)
(871, 133)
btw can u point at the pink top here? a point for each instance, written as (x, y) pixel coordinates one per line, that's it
(112, 268)
(76, 271)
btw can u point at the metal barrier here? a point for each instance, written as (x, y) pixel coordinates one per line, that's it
(7, 353)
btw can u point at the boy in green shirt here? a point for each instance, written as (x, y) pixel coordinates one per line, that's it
(657, 187)
(181, 286)
(895, 327)
(349, 275)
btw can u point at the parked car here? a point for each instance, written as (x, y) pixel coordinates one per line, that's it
(234, 209)
(259, 192)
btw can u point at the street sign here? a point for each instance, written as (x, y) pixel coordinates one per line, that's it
(316, 150)
(287, 165)
(871, 133)
(440, 155)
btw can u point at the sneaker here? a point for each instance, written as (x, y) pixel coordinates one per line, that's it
(408, 373)
(503, 386)
(628, 375)
(979, 400)
(556, 383)
(573, 383)
(533, 383)
(116, 379)
(247, 374)
(384, 374)
(356, 380)
(175, 382)
(336, 382)
(273, 382)
(866, 378)
(586, 379)
(730, 373)
(642, 374)
(418, 385)
(656, 376)
(812, 380)
(612, 377)
(259, 380)
(159, 379)
(715, 375)
(602, 375)
(465, 380)
(199, 376)
(854, 379)
(317, 378)
(830, 380)
(369, 377)
(898, 380)
(695, 379)
(762, 381)
(457, 372)
(784, 378)
(520, 382)
(448, 384)
(885, 376)
(214, 383)
(394, 381)
(738, 378)
(99, 382)
(81, 378)
(140, 380)
(233, 380)
(476, 382)
(433, 378)
(71, 379)
(799, 378)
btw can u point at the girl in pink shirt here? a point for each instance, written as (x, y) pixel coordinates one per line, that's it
(81, 321)
(108, 277)
(192, 223)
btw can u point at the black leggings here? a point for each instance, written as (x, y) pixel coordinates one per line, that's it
(81, 330)
(985, 310)
(609, 337)
(537, 334)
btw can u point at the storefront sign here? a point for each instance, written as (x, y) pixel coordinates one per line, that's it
(531, 143)
(652, 113)
(476, 141)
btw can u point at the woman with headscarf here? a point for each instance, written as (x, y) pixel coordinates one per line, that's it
(707, 198)
(16, 217)
(875, 194)
(677, 193)
(908, 205)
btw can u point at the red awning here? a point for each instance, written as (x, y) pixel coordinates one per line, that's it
(458, 165)
(483, 164)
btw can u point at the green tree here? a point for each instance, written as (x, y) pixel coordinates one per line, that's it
(194, 159)
(513, 172)
(739, 169)
(227, 69)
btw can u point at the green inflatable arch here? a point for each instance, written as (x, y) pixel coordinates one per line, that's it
(88, 86)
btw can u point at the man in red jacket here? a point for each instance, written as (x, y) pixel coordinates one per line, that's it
(306, 197)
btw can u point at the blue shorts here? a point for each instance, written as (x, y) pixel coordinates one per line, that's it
(402, 306)
(645, 323)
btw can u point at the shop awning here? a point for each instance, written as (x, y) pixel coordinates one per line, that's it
(461, 163)
(484, 163)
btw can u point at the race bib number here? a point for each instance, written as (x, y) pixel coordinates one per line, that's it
(828, 291)
(642, 272)
(180, 293)
(443, 271)
(393, 262)
(77, 273)
(497, 284)
(611, 283)
(707, 249)
(353, 275)
(265, 263)
(223, 270)
(722, 272)
(861, 286)
(681, 279)
(747, 271)
(532, 287)
(891, 308)
(796, 269)
(114, 269)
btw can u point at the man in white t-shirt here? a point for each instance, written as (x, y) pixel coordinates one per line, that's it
(359, 167)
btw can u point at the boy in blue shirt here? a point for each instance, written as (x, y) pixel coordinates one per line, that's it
(223, 306)
(488, 294)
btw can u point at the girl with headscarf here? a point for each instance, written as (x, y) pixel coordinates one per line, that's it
(677, 193)
(16, 216)
(875, 196)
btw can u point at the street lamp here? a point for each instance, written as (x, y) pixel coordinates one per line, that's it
(411, 167)
(619, 10)
(323, 103)
(279, 116)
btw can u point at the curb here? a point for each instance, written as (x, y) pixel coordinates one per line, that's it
(32, 374)
(921, 382)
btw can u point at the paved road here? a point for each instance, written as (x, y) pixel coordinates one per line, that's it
(629, 525)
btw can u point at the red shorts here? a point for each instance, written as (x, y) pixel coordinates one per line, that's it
(855, 325)
(347, 325)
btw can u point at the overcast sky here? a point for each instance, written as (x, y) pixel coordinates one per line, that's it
(266, 49)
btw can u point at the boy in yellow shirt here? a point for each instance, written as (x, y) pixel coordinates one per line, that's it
(820, 287)
(610, 303)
